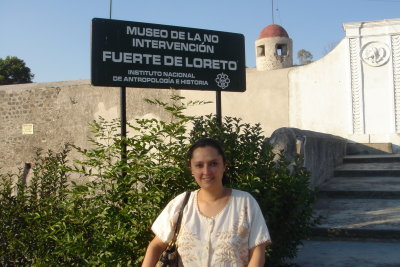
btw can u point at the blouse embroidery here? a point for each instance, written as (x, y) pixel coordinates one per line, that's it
(221, 240)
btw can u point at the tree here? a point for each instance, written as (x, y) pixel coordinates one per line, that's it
(304, 57)
(13, 71)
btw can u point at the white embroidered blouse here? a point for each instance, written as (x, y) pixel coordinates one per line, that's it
(222, 240)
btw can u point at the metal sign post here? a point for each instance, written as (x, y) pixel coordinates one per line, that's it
(122, 92)
(218, 107)
(124, 157)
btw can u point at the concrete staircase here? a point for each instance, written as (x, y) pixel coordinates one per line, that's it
(362, 200)
(360, 207)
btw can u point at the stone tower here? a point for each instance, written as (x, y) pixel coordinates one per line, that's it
(274, 49)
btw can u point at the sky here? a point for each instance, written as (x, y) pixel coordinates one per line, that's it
(53, 36)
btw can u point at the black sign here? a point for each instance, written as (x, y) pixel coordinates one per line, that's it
(135, 54)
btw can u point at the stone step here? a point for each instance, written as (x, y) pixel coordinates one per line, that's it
(361, 187)
(368, 169)
(354, 234)
(386, 158)
(360, 194)
(352, 218)
(365, 173)
(327, 253)
(368, 148)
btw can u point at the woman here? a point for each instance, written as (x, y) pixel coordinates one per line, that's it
(220, 226)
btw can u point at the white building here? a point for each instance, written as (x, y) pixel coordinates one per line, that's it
(352, 92)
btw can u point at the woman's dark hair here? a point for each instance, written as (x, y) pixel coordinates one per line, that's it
(203, 142)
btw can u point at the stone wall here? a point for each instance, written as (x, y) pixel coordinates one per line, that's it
(321, 153)
(60, 113)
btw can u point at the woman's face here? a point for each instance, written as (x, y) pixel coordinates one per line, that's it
(207, 167)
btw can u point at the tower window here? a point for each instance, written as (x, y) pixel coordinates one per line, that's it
(261, 50)
(281, 50)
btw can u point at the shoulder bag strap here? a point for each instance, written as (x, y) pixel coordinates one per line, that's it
(178, 222)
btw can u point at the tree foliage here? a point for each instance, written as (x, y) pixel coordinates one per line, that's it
(106, 220)
(304, 57)
(14, 71)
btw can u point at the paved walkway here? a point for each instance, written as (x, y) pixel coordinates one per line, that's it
(348, 254)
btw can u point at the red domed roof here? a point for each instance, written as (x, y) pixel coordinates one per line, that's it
(273, 30)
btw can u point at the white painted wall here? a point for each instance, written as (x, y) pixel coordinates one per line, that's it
(265, 100)
(374, 52)
(319, 96)
(354, 91)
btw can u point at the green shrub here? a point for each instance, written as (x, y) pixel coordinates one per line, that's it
(106, 220)
(117, 210)
(28, 213)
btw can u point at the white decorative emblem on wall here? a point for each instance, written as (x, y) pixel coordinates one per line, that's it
(222, 80)
(375, 54)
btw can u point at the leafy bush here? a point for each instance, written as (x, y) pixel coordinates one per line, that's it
(28, 213)
(106, 221)
(116, 211)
